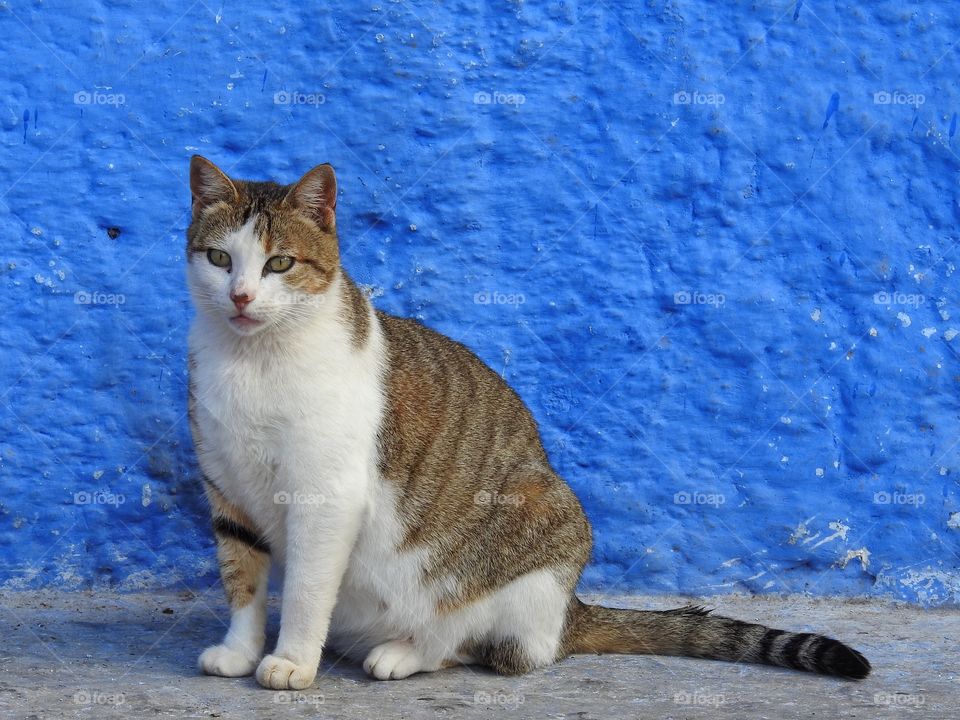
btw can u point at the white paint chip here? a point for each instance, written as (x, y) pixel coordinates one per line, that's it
(839, 532)
(863, 555)
(800, 532)
(904, 319)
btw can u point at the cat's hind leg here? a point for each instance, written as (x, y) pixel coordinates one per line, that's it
(244, 567)
(514, 630)
(396, 660)
(528, 621)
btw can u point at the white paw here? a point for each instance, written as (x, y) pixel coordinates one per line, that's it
(278, 673)
(393, 660)
(226, 662)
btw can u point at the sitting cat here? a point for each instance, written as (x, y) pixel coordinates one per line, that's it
(399, 482)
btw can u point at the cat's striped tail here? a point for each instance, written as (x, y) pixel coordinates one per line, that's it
(692, 632)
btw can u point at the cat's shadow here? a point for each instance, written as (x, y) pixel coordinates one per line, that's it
(127, 637)
(136, 639)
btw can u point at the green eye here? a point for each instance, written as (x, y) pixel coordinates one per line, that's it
(218, 258)
(279, 263)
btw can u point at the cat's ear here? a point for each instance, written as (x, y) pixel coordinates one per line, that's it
(315, 195)
(209, 185)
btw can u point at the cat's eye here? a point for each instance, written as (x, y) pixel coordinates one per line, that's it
(218, 258)
(279, 263)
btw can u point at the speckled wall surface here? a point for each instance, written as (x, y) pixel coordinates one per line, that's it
(712, 245)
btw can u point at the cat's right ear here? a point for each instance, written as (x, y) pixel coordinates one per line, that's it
(209, 185)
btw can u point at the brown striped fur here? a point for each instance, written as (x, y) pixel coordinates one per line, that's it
(475, 484)
(243, 555)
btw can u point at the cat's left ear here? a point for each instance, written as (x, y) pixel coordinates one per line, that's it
(315, 195)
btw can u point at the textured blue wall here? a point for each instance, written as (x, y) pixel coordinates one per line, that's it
(712, 245)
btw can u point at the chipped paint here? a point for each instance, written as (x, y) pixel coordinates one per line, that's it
(863, 555)
(839, 533)
(801, 531)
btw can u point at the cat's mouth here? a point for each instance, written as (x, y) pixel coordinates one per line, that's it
(245, 321)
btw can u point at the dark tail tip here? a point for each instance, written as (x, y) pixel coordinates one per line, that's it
(846, 662)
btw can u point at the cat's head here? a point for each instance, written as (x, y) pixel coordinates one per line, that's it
(261, 256)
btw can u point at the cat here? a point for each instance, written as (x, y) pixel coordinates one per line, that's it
(400, 483)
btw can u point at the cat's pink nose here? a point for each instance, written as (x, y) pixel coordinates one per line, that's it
(241, 300)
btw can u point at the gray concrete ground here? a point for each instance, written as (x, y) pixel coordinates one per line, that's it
(86, 655)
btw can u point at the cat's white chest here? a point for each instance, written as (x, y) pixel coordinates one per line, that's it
(268, 419)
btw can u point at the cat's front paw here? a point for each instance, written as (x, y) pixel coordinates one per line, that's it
(226, 662)
(278, 673)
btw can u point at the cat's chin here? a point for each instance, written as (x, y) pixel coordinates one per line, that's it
(245, 325)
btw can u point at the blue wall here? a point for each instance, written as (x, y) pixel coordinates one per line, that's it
(718, 262)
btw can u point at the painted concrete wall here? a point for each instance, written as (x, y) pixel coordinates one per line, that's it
(712, 245)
